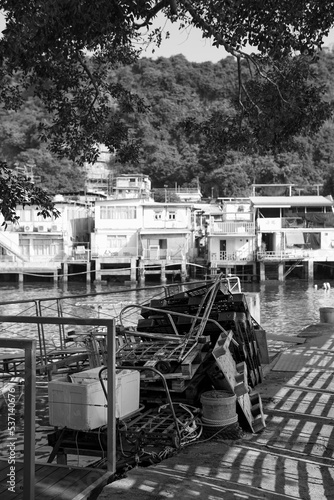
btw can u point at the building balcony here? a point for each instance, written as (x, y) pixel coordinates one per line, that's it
(157, 253)
(283, 255)
(232, 228)
(235, 256)
(80, 254)
(100, 252)
(318, 255)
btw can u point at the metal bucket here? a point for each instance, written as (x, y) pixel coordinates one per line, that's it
(219, 408)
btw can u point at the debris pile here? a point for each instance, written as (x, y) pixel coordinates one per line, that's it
(199, 361)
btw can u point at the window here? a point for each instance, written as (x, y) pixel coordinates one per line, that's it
(25, 215)
(47, 246)
(112, 212)
(157, 214)
(116, 241)
(171, 215)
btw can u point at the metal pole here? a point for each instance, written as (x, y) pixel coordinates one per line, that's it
(111, 412)
(29, 422)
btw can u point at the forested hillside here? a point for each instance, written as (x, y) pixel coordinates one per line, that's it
(179, 95)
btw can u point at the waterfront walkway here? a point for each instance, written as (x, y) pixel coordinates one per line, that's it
(292, 458)
(54, 482)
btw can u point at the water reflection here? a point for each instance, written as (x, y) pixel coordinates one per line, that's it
(288, 308)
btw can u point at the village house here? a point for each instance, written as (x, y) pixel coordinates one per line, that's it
(138, 238)
(231, 237)
(46, 247)
(294, 232)
(128, 237)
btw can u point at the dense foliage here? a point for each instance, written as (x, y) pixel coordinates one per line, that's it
(19, 190)
(71, 77)
(61, 51)
(192, 130)
(286, 147)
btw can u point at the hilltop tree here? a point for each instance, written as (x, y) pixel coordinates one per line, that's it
(19, 190)
(62, 50)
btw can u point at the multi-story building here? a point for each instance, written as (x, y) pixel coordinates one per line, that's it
(137, 238)
(131, 237)
(130, 186)
(293, 232)
(225, 237)
(46, 247)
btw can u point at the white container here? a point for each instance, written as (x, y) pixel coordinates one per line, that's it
(82, 405)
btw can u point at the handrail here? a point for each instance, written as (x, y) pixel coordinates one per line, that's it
(29, 347)
(30, 389)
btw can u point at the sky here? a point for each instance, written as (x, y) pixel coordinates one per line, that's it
(191, 44)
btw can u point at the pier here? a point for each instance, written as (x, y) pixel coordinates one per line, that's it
(55, 481)
(292, 458)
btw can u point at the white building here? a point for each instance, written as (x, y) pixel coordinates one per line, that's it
(131, 235)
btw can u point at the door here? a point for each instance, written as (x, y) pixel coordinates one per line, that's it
(222, 250)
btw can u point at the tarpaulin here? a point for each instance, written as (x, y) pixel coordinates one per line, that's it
(294, 238)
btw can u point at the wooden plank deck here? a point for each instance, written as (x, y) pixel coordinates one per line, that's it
(55, 481)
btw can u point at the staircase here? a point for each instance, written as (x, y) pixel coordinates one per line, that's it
(11, 247)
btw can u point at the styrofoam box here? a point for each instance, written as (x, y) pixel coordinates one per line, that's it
(82, 405)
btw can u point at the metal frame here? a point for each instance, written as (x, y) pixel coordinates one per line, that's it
(29, 345)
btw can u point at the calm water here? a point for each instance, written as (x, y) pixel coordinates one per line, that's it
(285, 310)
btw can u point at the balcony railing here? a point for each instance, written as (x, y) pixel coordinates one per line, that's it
(232, 256)
(238, 228)
(293, 222)
(163, 254)
(117, 253)
(283, 255)
(81, 253)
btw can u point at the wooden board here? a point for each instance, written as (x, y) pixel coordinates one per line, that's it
(235, 377)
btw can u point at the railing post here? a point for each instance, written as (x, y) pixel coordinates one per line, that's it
(29, 347)
(111, 410)
(29, 422)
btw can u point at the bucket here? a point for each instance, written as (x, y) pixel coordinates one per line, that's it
(327, 315)
(219, 408)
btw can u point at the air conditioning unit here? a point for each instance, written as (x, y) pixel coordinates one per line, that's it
(54, 228)
(41, 229)
(28, 227)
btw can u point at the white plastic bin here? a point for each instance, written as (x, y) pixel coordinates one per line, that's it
(81, 404)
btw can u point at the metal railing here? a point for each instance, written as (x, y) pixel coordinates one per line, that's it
(29, 347)
(224, 256)
(104, 251)
(30, 389)
(283, 255)
(163, 254)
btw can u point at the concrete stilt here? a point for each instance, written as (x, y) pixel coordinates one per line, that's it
(141, 272)
(310, 270)
(281, 271)
(133, 271)
(65, 272)
(183, 271)
(88, 277)
(163, 273)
